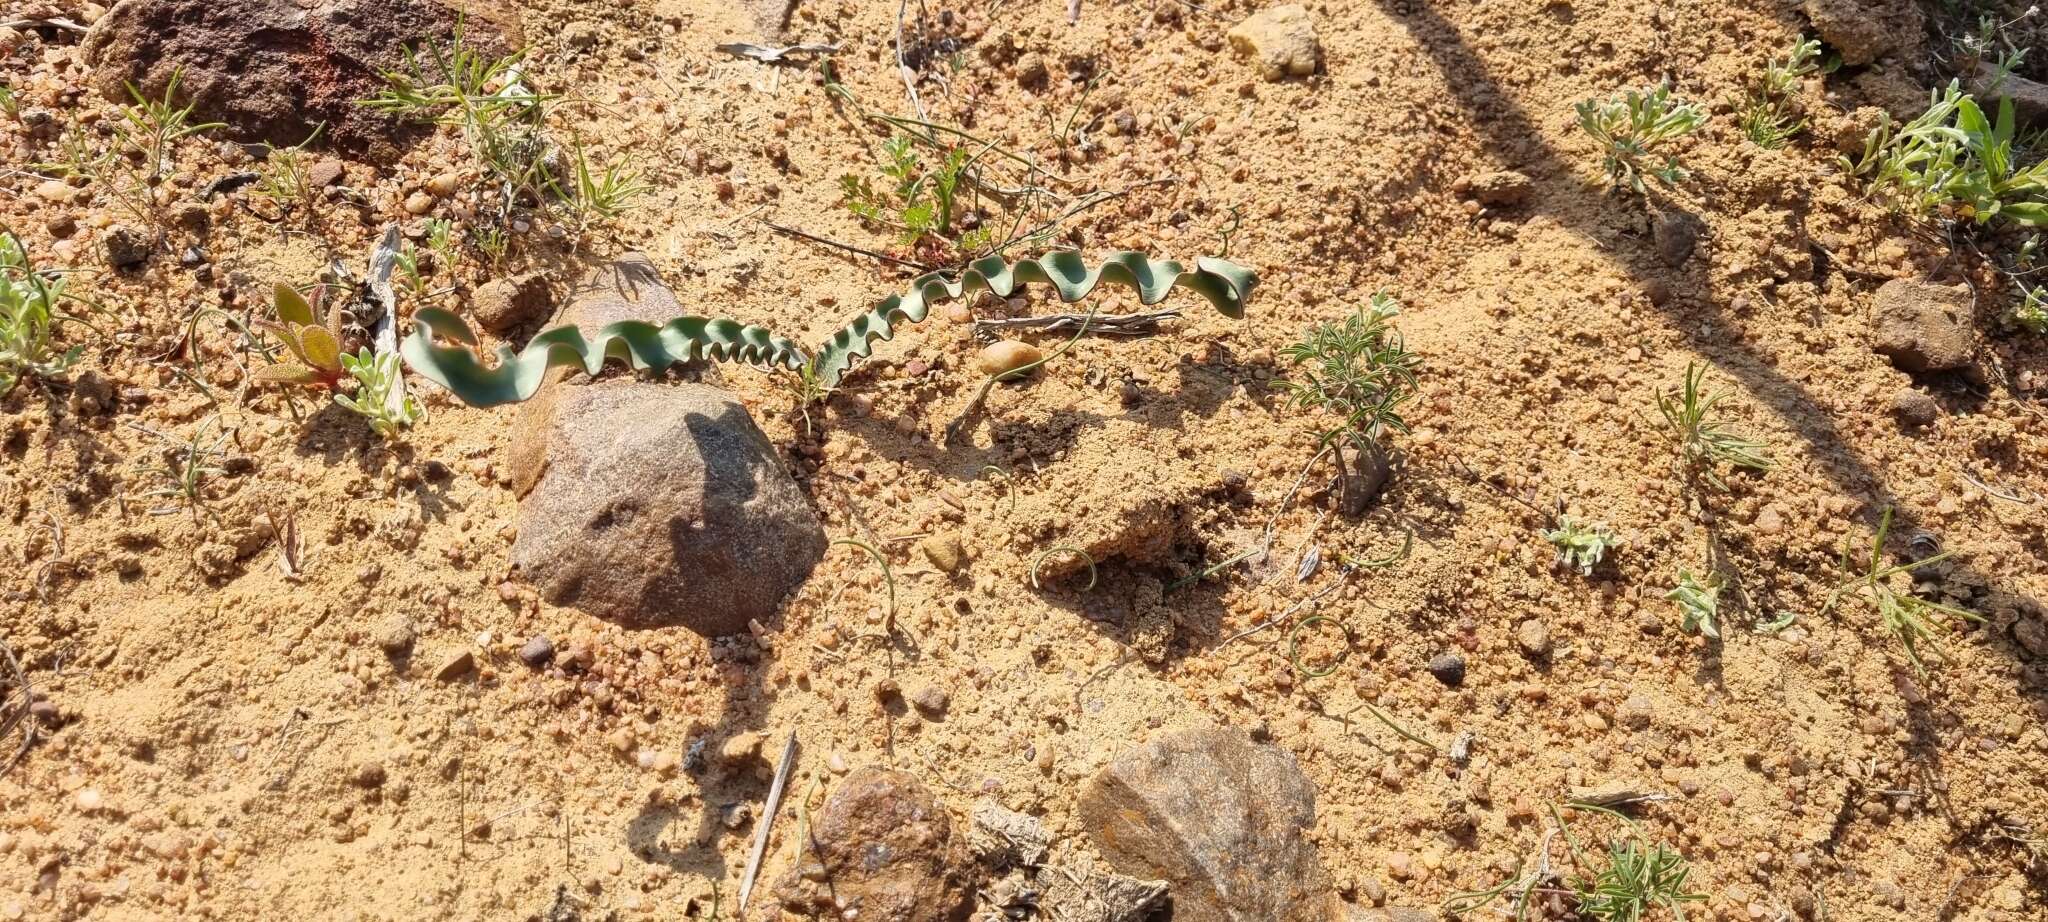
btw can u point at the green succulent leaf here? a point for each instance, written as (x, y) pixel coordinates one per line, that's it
(644, 346)
(320, 348)
(285, 373)
(1225, 284)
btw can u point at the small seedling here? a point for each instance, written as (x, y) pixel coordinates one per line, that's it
(1698, 604)
(1581, 545)
(1702, 441)
(133, 168)
(10, 104)
(1631, 125)
(185, 468)
(316, 347)
(1907, 616)
(923, 204)
(1637, 879)
(2031, 314)
(30, 312)
(285, 178)
(1769, 116)
(1361, 371)
(380, 392)
(506, 126)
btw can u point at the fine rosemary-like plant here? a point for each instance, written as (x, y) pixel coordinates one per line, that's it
(380, 392)
(1637, 879)
(1699, 605)
(30, 311)
(1630, 127)
(1908, 617)
(1360, 370)
(1580, 545)
(923, 203)
(1770, 115)
(645, 346)
(1955, 163)
(1702, 442)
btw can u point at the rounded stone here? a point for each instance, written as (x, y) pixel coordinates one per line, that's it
(654, 505)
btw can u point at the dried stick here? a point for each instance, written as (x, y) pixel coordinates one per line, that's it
(767, 820)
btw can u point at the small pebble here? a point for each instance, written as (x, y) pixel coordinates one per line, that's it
(1449, 668)
(1006, 356)
(370, 774)
(396, 639)
(1534, 637)
(456, 666)
(89, 799)
(419, 203)
(931, 700)
(537, 652)
(443, 185)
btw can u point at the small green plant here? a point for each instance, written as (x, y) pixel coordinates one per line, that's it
(1699, 605)
(145, 139)
(182, 473)
(1360, 370)
(506, 125)
(30, 311)
(1637, 879)
(1580, 545)
(10, 104)
(1907, 616)
(1952, 161)
(285, 178)
(380, 392)
(923, 204)
(2031, 314)
(1630, 126)
(314, 345)
(1702, 442)
(1770, 116)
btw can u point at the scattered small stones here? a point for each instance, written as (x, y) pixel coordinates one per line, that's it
(1006, 356)
(1281, 41)
(1915, 407)
(1222, 819)
(1534, 638)
(456, 666)
(1922, 327)
(538, 652)
(1449, 668)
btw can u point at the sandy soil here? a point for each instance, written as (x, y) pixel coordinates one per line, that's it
(231, 743)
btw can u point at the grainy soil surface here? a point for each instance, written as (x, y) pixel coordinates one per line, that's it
(217, 738)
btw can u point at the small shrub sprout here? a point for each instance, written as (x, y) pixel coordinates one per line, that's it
(1631, 126)
(1703, 443)
(1580, 545)
(30, 312)
(380, 392)
(1907, 616)
(1699, 605)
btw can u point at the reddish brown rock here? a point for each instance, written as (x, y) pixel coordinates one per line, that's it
(1862, 31)
(885, 852)
(504, 304)
(274, 70)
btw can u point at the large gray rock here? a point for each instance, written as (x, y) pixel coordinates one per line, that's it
(2029, 99)
(1223, 820)
(883, 850)
(274, 70)
(1921, 327)
(657, 504)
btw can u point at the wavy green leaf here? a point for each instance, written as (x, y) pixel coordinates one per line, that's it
(644, 346)
(1225, 284)
(518, 376)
